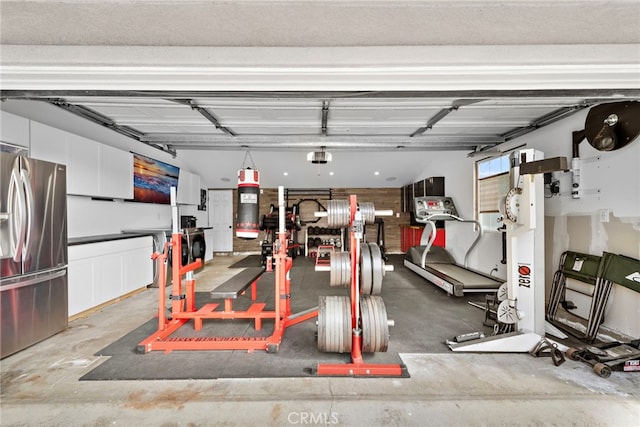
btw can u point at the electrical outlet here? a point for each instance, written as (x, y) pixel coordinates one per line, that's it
(604, 215)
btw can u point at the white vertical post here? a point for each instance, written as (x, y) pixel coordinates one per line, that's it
(281, 212)
(174, 211)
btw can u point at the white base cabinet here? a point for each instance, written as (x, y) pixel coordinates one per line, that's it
(103, 271)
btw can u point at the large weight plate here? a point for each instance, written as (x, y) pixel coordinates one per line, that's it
(334, 324)
(374, 323)
(368, 211)
(366, 272)
(338, 213)
(340, 265)
(377, 266)
(346, 270)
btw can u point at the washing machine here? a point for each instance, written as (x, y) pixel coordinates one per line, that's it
(184, 259)
(193, 247)
(196, 247)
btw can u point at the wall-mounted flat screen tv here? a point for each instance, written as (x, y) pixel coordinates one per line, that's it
(153, 179)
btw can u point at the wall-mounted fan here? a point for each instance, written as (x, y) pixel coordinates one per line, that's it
(612, 126)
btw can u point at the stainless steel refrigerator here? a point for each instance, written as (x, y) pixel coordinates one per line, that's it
(33, 251)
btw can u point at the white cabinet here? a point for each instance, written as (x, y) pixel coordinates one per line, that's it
(80, 282)
(188, 188)
(49, 143)
(14, 129)
(83, 165)
(116, 173)
(93, 169)
(137, 267)
(104, 271)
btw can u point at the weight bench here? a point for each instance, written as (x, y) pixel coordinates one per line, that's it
(230, 290)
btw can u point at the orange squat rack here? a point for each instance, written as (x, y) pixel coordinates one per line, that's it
(357, 367)
(183, 308)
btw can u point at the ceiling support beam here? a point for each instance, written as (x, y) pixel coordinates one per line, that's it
(206, 114)
(545, 120)
(443, 113)
(102, 120)
(433, 120)
(306, 142)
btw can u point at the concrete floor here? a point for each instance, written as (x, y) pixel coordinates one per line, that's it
(40, 387)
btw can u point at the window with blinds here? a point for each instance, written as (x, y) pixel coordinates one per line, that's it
(491, 190)
(492, 184)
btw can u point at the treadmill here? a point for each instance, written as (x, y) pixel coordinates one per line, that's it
(437, 265)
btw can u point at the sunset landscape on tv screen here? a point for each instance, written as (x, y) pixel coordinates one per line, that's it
(152, 180)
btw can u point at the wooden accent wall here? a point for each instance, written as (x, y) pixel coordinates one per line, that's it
(382, 198)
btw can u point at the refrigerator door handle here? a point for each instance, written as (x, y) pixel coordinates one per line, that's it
(16, 206)
(34, 280)
(26, 182)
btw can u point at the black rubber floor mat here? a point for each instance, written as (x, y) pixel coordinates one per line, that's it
(424, 318)
(248, 261)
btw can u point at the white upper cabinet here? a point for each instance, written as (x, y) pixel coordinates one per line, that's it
(83, 166)
(188, 188)
(116, 173)
(93, 169)
(48, 143)
(14, 129)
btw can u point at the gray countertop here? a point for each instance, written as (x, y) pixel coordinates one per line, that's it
(126, 234)
(104, 238)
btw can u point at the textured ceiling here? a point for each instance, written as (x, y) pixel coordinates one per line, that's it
(318, 23)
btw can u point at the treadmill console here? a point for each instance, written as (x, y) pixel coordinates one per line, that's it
(433, 208)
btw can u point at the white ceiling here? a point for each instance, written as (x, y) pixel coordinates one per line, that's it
(296, 23)
(286, 77)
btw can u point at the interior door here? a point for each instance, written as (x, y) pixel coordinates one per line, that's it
(221, 219)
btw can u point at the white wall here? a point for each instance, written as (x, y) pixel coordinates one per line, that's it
(610, 181)
(352, 169)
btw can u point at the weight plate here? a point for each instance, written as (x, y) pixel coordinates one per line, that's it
(377, 264)
(334, 270)
(334, 324)
(503, 292)
(366, 270)
(368, 212)
(368, 324)
(346, 268)
(374, 324)
(338, 213)
(506, 313)
(340, 266)
(512, 204)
